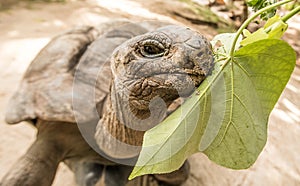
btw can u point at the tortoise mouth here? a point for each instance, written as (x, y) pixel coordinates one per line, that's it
(174, 72)
(166, 80)
(167, 86)
(174, 78)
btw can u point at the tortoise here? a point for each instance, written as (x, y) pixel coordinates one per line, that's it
(93, 91)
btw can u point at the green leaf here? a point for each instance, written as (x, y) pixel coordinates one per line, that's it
(255, 36)
(273, 29)
(226, 40)
(222, 44)
(260, 4)
(252, 2)
(226, 118)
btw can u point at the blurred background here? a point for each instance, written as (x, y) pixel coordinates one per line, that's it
(27, 25)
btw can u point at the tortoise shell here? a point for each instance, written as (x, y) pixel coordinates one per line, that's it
(46, 90)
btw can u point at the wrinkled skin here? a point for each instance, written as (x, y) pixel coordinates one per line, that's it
(139, 97)
(146, 73)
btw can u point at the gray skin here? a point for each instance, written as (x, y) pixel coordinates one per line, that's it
(114, 82)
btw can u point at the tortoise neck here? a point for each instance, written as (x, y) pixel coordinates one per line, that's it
(116, 139)
(118, 129)
(121, 128)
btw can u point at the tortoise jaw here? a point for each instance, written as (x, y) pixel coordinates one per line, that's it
(178, 82)
(139, 94)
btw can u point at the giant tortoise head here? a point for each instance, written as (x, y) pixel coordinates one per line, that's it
(149, 72)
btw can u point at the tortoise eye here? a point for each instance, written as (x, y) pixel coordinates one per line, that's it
(152, 49)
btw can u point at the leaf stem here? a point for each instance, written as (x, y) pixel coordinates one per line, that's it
(250, 19)
(291, 14)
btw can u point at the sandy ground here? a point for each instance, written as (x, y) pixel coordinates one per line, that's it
(25, 29)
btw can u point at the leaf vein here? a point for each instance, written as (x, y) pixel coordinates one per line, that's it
(243, 105)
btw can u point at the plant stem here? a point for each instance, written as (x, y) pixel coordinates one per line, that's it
(291, 14)
(250, 19)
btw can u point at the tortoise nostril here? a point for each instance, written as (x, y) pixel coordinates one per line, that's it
(189, 64)
(200, 54)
